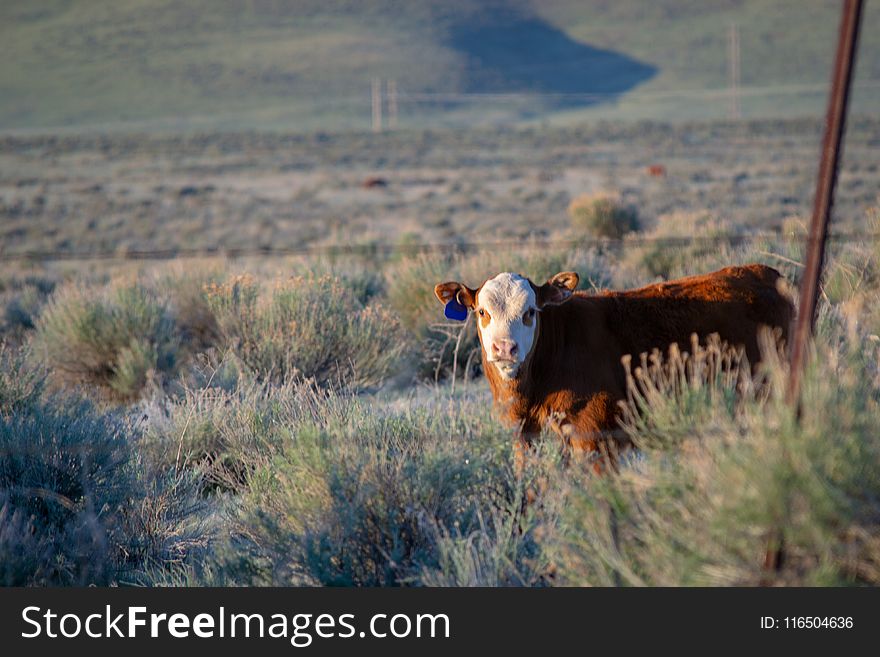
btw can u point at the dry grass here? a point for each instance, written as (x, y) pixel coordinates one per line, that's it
(278, 421)
(253, 190)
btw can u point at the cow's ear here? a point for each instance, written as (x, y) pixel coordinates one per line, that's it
(565, 279)
(557, 289)
(453, 290)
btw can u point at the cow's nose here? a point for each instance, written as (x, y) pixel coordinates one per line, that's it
(504, 349)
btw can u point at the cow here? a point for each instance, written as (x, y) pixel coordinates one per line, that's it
(553, 355)
(374, 182)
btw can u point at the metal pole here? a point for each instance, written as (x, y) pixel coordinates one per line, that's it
(392, 104)
(834, 124)
(377, 105)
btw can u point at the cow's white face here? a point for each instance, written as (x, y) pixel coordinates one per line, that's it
(506, 310)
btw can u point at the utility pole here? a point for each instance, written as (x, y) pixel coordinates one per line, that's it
(392, 104)
(733, 72)
(377, 105)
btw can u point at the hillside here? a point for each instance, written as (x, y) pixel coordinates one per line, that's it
(308, 64)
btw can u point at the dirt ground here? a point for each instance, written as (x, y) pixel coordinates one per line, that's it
(252, 190)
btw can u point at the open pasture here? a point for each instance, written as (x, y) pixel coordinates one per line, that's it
(315, 420)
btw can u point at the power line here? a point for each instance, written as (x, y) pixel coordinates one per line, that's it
(720, 92)
(461, 97)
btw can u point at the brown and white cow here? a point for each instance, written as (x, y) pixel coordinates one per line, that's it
(552, 356)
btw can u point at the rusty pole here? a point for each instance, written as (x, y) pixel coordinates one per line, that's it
(834, 125)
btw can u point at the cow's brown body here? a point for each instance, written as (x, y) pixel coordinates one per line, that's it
(573, 378)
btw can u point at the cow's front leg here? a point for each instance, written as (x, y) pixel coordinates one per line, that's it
(592, 449)
(523, 445)
(592, 435)
(524, 448)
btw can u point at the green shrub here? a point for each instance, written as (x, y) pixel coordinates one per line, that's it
(21, 383)
(76, 506)
(364, 281)
(117, 339)
(28, 550)
(22, 300)
(504, 550)
(307, 327)
(194, 320)
(723, 483)
(602, 215)
(167, 524)
(213, 432)
(850, 271)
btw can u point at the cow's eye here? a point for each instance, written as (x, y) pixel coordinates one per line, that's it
(529, 314)
(481, 312)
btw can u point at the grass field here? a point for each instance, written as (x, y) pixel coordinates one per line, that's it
(308, 420)
(307, 65)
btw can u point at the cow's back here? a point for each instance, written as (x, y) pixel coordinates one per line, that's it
(582, 341)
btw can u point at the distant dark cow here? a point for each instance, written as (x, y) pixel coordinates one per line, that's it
(553, 356)
(374, 182)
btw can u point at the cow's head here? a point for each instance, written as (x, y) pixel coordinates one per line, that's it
(507, 308)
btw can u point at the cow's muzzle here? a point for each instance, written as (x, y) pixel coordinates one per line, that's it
(504, 350)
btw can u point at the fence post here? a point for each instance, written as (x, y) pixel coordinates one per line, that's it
(841, 82)
(391, 86)
(809, 291)
(733, 71)
(377, 104)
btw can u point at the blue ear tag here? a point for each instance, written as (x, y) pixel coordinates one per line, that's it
(454, 310)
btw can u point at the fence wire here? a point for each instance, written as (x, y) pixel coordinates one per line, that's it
(451, 248)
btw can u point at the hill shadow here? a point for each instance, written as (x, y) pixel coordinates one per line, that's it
(512, 51)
